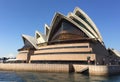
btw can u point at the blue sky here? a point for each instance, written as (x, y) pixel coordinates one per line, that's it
(19, 17)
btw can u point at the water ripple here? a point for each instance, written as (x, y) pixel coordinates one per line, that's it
(10, 76)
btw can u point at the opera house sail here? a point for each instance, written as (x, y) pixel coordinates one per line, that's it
(71, 39)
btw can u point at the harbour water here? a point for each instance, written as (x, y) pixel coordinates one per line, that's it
(10, 76)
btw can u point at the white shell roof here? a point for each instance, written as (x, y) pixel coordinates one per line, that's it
(90, 21)
(72, 15)
(46, 27)
(90, 29)
(31, 39)
(59, 16)
(42, 36)
(116, 52)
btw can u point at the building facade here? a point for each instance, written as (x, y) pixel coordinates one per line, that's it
(71, 39)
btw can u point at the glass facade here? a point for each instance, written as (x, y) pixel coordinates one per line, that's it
(67, 31)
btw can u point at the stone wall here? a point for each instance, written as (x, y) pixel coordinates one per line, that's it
(100, 70)
(22, 55)
(104, 70)
(59, 57)
(36, 67)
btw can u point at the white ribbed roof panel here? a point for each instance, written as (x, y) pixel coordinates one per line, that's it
(116, 52)
(47, 29)
(31, 39)
(42, 37)
(87, 27)
(90, 21)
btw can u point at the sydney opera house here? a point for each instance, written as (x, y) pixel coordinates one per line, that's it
(71, 39)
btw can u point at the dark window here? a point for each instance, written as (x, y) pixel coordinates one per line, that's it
(37, 35)
(62, 62)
